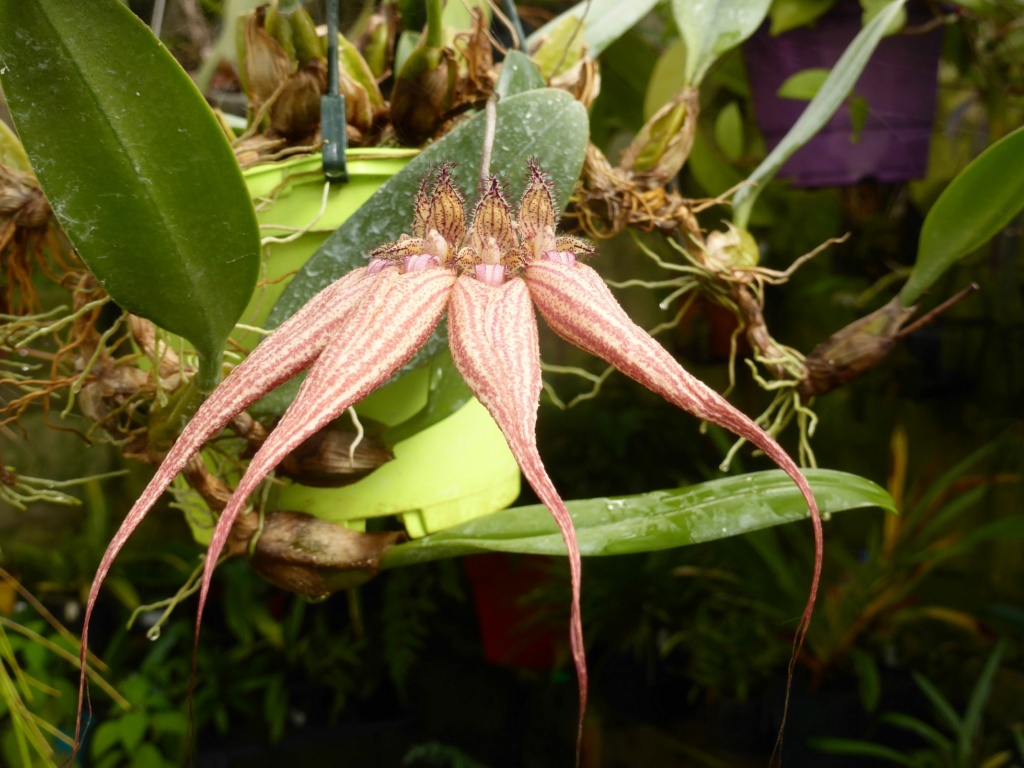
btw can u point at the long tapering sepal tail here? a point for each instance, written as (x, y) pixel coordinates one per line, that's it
(281, 356)
(576, 303)
(493, 337)
(381, 334)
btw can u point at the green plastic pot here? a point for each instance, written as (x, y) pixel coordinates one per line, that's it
(459, 468)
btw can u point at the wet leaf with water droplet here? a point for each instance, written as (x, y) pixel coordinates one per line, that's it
(651, 521)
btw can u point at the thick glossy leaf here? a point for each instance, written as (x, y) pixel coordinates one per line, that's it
(518, 75)
(979, 202)
(604, 21)
(713, 27)
(830, 97)
(547, 124)
(134, 165)
(658, 520)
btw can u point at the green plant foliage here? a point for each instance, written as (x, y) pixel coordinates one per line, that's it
(411, 602)
(518, 74)
(959, 747)
(12, 154)
(134, 165)
(667, 78)
(729, 131)
(871, 8)
(789, 14)
(711, 28)
(651, 521)
(803, 85)
(979, 202)
(604, 22)
(830, 97)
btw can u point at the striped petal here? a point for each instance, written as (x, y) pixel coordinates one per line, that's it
(393, 320)
(578, 306)
(287, 351)
(492, 332)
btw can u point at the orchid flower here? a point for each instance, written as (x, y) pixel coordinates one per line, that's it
(357, 332)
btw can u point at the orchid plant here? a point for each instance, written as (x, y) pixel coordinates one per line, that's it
(488, 274)
(488, 270)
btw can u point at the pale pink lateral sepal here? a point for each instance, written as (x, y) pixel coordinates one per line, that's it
(578, 306)
(492, 332)
(382, 333)
(290, 349)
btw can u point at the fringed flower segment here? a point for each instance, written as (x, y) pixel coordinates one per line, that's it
(358, 331)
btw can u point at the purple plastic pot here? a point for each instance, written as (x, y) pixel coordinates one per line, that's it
(898, 84)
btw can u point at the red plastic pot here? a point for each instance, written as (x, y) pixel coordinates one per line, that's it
(514, 633)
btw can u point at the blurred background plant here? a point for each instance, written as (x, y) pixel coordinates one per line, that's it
(688, 645)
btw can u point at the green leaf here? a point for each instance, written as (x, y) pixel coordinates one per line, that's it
(1018, 739)
(651, 521)
(111, 760)
(803, 85)
(666, 80)
(871, 8)
(562, 48)
(713, 27)
(133, 163)
(106, 736)
(942, 706)
(924, 730)
(833, 93)
(864, 748)
(131, 729)
(789, 14)
(976, 705)
(979, 202)
(859, 110)
(604, 22)
(12, 154)
(547, 124)
(869, 683)
(518, 75)
(714, 175)
(729, 131)
(147, 756)
(168, 723)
